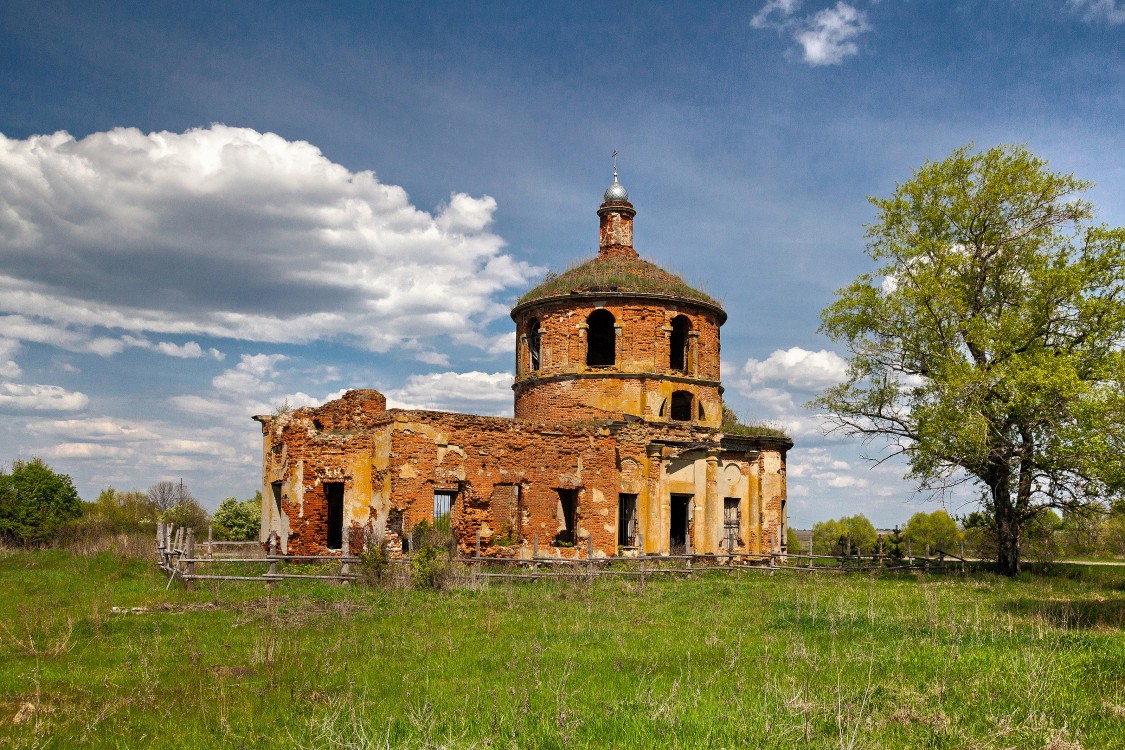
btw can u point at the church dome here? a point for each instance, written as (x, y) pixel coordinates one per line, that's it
(616, 193)
(617, 276)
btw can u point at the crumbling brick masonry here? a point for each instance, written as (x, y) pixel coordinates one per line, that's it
(617, 438)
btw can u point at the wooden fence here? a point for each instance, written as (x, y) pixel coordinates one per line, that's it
(180, 556)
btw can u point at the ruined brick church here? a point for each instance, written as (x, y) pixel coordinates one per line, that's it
(618, 442)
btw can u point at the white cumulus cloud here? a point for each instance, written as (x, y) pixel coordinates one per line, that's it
(826, 37)
(799, 368)
(9, 368)
(37, 397)
(774, 13)
(830, 35)
(1110, 11)
(187, 350)
(228, 232)
(488, 393)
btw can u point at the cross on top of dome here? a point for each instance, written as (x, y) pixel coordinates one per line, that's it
(615, 193)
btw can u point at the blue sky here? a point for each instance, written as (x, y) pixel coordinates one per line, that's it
(206, 211)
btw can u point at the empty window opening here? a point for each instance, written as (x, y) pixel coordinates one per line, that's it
(678, 353)
(681, 406)
(334, 497)
(678, 524)
(443, 507)
(567, 512)
(601, 339)
(699, 412)
(732, 522)
(533, 340)
(276, 487)
(318, 425)
(627, 520)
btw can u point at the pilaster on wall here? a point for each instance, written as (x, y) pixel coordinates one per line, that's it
(713, 504)
(654, 491)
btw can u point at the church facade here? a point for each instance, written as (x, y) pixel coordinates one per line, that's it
(618, 444)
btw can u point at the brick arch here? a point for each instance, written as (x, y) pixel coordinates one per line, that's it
(681, 406)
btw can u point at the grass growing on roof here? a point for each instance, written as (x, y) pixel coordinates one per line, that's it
(602, 274)
(733, 426)
(751, 660)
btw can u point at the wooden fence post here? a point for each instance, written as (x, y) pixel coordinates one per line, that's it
(273, 562)
(189, 567)
(962, 555)
(346, 551)
(909, 553)
(534, 556)
(641, 541)
(927, 564)
(210, 544)
(688, 552)
(810, 552)
(476, 555)
(590, 556)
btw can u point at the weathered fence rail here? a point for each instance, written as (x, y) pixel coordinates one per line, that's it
(179, 556)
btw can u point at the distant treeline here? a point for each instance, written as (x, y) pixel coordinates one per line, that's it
(40, 506)
(1049, 536)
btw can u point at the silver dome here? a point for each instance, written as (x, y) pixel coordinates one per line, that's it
(616, 193)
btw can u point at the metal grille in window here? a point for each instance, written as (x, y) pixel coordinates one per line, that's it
(443, 503)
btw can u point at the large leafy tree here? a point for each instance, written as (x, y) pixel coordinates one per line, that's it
(986, 345)
(35, 502)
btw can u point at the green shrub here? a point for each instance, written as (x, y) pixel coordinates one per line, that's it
(834, 537)
(438, 535)
(374, 563)
(238, 521)
(506, 537)
(122, 512)
(937, 529)
(430, 568)
(35, 502)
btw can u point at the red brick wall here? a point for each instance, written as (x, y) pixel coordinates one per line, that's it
(473, 454)
(392, 463)
(643, 346)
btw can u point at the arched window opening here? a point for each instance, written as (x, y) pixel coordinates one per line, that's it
(678, 352)
(533, 339)
(681, 406)
(601, 343)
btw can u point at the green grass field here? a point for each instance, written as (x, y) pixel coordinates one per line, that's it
(788, 661)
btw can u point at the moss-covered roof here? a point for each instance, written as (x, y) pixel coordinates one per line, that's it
(620, 275)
